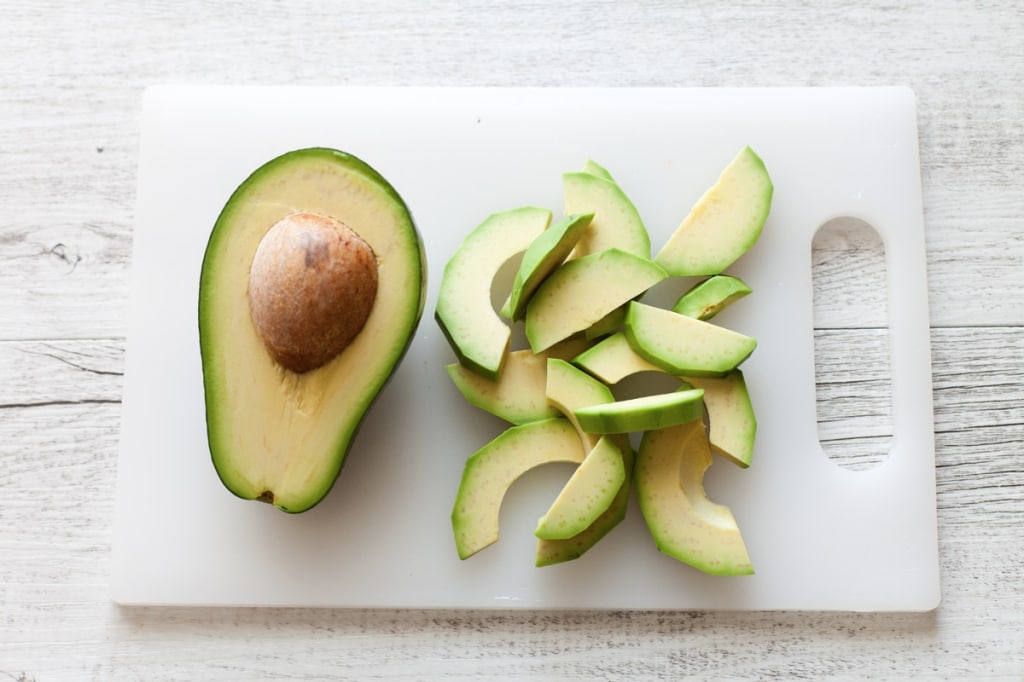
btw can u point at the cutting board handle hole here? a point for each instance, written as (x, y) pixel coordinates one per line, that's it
(852, 352)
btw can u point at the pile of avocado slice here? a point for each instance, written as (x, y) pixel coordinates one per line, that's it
(578, 292)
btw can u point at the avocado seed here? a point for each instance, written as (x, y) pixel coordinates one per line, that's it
(312, 284)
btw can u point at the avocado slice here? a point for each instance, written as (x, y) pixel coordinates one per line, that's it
(542, 256)
(733, 426)
(518, 396)
(567, 389)
(584, 290)
(683, 522)
(616, 223)
(708, 298)
(491, 471)
(477, 334)
(612, 359)
(280, 434)
(645, 413)
(724, 223)
(588, 493)
(594, 168)
(683, 345)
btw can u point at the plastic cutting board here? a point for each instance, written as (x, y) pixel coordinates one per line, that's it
(821, 537)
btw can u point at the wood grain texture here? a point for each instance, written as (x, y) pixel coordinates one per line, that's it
(69, 98)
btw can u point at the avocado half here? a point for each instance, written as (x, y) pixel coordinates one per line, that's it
(277, 435)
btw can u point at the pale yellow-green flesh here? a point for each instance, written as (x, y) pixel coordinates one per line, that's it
(588, 493)
(724, 223)
(569, 388)
(492, 470)
(613, 359)
(711, 297)
(545, 253)
(683, 522)
(685, 345)
(584, 290)
(731, 416)
(518, 396)
(616, 223)
(478, 334)
(272, 425)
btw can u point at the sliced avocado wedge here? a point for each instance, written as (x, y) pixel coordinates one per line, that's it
(477, 334)
(607, 325)
(733, 426)
(584, 290)
(588, 494)
(542, 256)
(710, 297)
(683, 522)
(724, 223)
(569, 388)
(616, 224)
(612, 359)
(594, 168)
(518, 396)
(276, 434)
(645, 413)
(683, 345)
(492, 470)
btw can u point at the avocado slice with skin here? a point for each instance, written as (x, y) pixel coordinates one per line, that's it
(280, 434)
(724, 223)
(684, 345)
(732, 424)
(582, 291)
(491, 471)
(708, 298)
(542, 256)
(567, 389)
(464, 312)
(683, 522)
(616, 223)
(518, 394)
(588, 493)
(612, 359)
(645, 413)
(607, 325)
(594, 168)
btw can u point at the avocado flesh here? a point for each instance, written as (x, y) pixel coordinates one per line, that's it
(724, 223)
(616, 223)
(584, 290)
(733, 425)
(275, 435)
(710, 297)
(464, 312)
(567, 389)
(588, 493)
(491, 471)
(646, 413)
(684, 345)
(683, 522)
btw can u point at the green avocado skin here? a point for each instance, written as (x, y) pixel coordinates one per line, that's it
(234, 370)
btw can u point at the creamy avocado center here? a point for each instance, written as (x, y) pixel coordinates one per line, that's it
(312, 285)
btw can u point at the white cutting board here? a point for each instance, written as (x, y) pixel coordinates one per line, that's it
(820, 537)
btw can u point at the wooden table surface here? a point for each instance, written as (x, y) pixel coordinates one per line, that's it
(70, 85)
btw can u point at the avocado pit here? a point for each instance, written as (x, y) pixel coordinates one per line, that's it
(312, 285)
